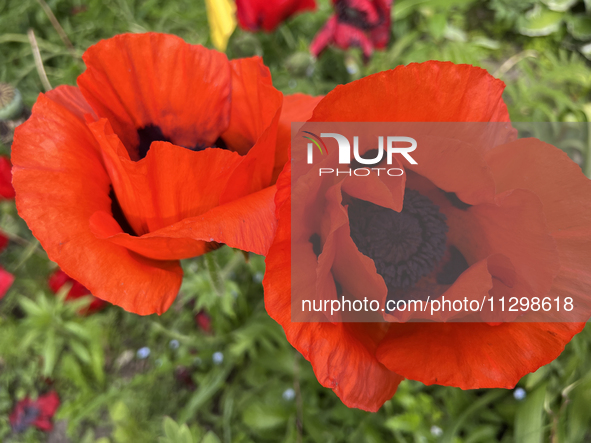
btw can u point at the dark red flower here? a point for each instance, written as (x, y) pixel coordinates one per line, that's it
(517, 215)
(203, 320)
(359, 23)
(184, 376)
(6, 189)
(254, 15)
(164, 151)
(36, 413)
(60, 278)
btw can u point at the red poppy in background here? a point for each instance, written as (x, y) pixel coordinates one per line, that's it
(6, 189)
(517, 217)
(164, 151)
(6, 193)
(6, 278)
(356, 23)
(38, 413)
(254, 15)
(60, 278)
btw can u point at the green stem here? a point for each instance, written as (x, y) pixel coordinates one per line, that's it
(25, 255)
(214, 273)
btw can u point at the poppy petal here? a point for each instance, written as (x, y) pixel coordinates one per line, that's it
(137, 80)
(324, 37)
(59, 176)
(72, 99)
(420, 92)
(154, 192)
(254, 15)
(343, 359)
(564, 192)
(6, 189)
(297, 108)
(473, 355)
(247, 223)
(256, 107)
(6, 280)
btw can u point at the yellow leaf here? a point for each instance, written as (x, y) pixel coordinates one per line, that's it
(221, 15)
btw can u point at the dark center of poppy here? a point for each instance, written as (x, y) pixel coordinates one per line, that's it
(405, 246)
(153, 133)
(355, 17)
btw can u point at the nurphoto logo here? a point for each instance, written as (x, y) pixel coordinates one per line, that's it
(393, 146)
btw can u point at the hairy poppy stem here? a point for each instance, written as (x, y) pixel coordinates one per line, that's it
(512, 61)
(38, 60)
(58, 28)
(214, 274)
(25, 255)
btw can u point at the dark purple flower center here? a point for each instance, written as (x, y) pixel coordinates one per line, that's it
(153, 133)
(354, 17)
(405, 246)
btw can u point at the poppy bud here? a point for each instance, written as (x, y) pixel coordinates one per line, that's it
(11, 102)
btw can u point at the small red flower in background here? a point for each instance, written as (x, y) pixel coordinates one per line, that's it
(6, 189)
(359, 23)
(203, 320)
(60, 278)
(254, 15)
(6, 193)
(6, 278)
(36, 413)
(164, 151)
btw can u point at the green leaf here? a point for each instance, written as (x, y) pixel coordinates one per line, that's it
(49, 353)
(529, 419)
(184, 435)
(261, 417)
(30, 307)
(579, 26)
(80, 350)
(539, 22)
(78, 330)
(559, 5)
(210, 437)
(170, 428)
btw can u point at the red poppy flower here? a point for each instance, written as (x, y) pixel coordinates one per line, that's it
(360, 23)
(36, 413)
(254, 15)
(6, 278)
(164, 151)
(60, 278)
(6, 189)
(517, 215)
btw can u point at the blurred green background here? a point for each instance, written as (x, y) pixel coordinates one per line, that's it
(124, 378)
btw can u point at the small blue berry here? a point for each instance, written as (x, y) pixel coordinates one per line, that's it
(519, 394)
(143, 353)
(288, 394)
(217, 358)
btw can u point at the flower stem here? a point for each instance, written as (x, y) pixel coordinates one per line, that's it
(214, 274)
